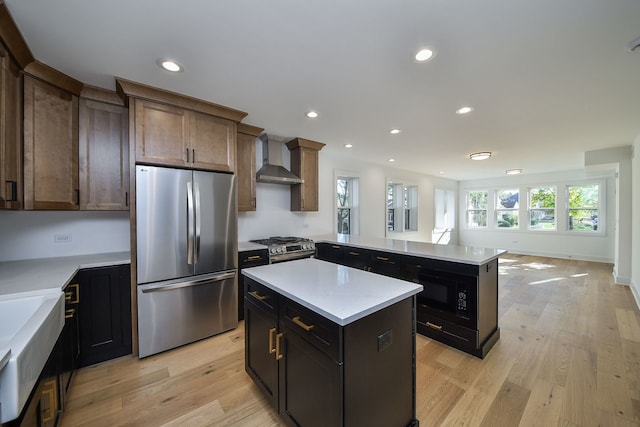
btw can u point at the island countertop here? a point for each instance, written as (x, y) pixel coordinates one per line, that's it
(461, 254)
(341, 294)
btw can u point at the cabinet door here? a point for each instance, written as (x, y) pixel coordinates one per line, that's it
(103, 156)
(105, 314)
(304, 163)
(330, 252)
(161, 134)
(212, 142)
(10, 134)
(260, 338)
(310, 384)
(50, 147)
(246, 172)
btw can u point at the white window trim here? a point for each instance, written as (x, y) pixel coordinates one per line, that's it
(355, 200)
(602, 217)
(488, 209)
(529, 209)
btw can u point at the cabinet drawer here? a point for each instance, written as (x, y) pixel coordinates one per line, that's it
(260, 295)
(312, 327)
(253, 258)
(445, 331)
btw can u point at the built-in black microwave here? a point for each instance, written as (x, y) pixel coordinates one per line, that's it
(450, 296)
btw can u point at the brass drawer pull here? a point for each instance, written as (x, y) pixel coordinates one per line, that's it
(300, 323)
(272, 332)
(434, 326)
(257, 296)
(68, 294)
(354, 253)
(53, 404)
(382, 258)
(69, 313)
(278, 354)
(335, 247)
(254, 257)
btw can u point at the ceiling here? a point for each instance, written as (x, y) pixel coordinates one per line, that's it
(548, 79)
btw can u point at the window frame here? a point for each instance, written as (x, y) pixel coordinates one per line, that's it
(352, 204)
(469, 209)
(601, 220)
(531, 209)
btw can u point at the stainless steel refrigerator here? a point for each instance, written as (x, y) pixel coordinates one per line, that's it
(186, 226)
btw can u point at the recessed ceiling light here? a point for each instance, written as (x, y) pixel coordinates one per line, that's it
(392, 160)
(424, 54)
(513, 171)
(441, 172)
(480, 156)
(394, 131)
(170, 65)
(464, 110)
(348, 145)
(312, 114)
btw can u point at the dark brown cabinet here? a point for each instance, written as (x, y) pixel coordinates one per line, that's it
(304, 163)
(318, 373)
(104, 313)
(50, 146)
(246, 259)
(103, 151)
(10, 133)
(246, 170)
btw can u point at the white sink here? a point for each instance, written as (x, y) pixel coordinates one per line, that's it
(29, 328)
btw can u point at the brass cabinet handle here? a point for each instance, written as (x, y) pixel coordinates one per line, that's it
(272, 349)
(278, 354)
(69, 313)
(254, 257)
(382, 258)
(354, 253)
(257, 296)
(68, 295)
(434, 326)
(335, 246)
(300, 323)
(53, 404)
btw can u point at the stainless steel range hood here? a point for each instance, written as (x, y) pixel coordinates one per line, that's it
(272, 170)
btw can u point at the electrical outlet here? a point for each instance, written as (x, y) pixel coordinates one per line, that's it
(61, 238)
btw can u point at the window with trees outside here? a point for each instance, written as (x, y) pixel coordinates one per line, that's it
(347, 205)
(542, 208)
(507, 207)
(584, 207)
(477, 204)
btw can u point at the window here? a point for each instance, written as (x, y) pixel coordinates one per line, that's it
(507, 206)
(542, 208)
(477, 203)
(584, 207)
(346, 205)
(402, 207)
(445, 209)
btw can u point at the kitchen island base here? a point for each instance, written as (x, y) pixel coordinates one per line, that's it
(318, 373)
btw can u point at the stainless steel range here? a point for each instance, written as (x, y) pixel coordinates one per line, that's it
(287, 248)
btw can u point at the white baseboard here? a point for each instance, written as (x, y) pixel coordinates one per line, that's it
(577, 257)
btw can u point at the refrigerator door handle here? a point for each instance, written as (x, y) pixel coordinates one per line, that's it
(196, 195)
(189, 223)
(190, 283)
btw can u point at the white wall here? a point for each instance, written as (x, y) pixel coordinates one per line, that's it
(273, 218)
(558, 244)
(29, 234)
(635, 230)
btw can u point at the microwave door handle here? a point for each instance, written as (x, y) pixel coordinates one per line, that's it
(189, 223)
(196, 196)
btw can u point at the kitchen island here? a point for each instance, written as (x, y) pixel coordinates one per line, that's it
(331, 345)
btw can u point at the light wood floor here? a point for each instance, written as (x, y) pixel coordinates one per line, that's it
(569, 355)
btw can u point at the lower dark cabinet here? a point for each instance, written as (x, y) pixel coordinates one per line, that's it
(246, 259)
(104, 313)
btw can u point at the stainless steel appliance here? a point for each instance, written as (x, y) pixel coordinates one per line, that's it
(287, 248)
(186, 256)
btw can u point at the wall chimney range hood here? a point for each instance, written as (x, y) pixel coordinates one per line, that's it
(272, 170)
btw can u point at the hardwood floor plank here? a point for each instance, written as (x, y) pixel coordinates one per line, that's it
(508, 406)
(580, 399)
(544, 405)
(628, 325)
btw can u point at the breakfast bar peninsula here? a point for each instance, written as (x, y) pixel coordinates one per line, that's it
(330, 345)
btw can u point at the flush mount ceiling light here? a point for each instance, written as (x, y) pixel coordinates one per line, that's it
(312, 114)
(348, 145)
(513, 171)
(483, 155)
(170, 65)
(424, 54)
(464, 110)
(391, 160)
(394, 131)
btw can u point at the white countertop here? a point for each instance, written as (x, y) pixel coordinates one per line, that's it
(462, 254)
(341, 294)
(36, 275)
(250, 246)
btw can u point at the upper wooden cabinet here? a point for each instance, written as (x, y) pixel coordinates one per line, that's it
(50, 146)
(10, 133)
(246, 170)
(103, 151)
(304, 163)
(175, 130)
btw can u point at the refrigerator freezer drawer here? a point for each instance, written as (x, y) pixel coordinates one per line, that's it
(174, 313)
